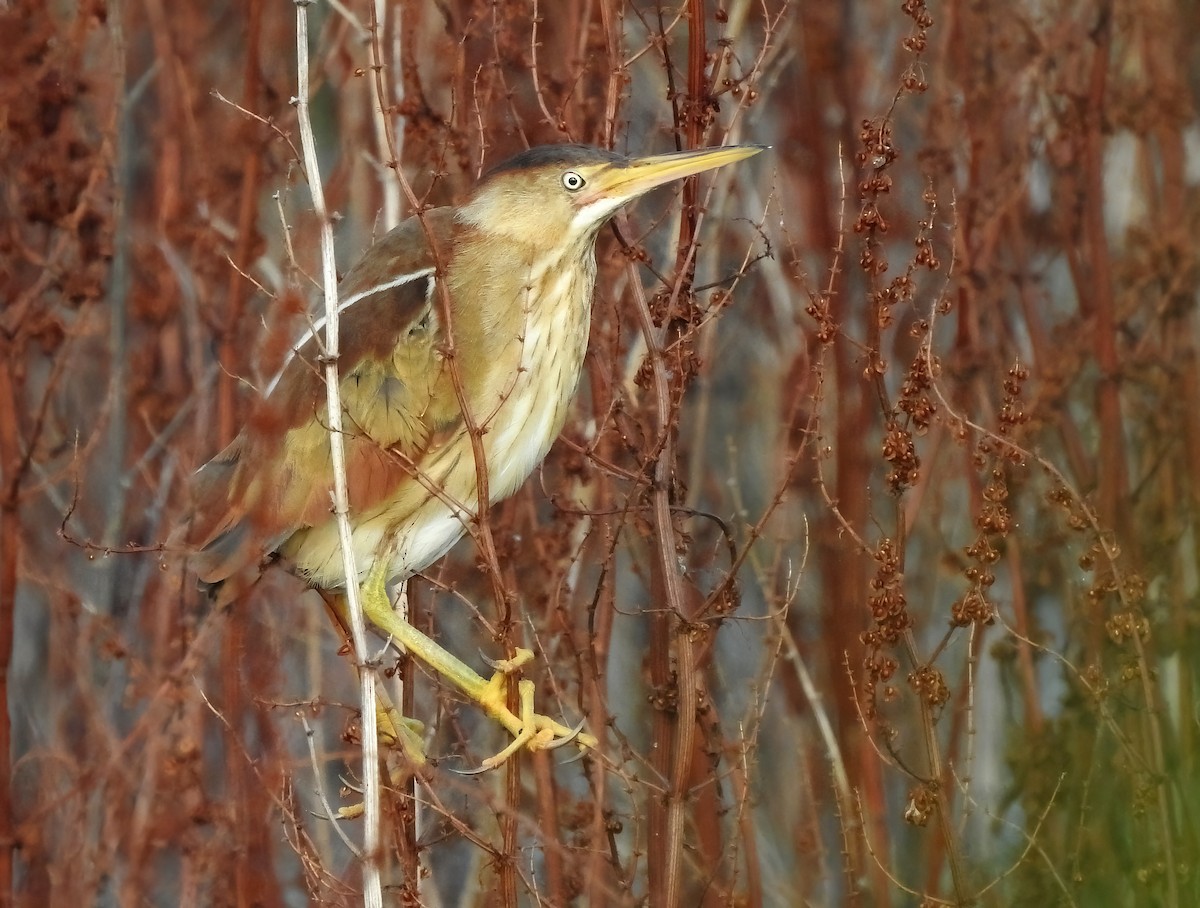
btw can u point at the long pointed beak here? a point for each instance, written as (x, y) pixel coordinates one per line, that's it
(640, 175)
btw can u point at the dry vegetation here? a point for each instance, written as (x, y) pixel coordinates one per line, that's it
(875, 569)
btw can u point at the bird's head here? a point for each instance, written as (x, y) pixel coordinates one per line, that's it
(554, 193)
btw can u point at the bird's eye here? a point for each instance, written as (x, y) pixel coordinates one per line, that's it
(573, 181)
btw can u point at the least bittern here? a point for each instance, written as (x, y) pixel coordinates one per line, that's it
(517, 261)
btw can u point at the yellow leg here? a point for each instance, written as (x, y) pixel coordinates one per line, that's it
(529, 730)
(393, 727)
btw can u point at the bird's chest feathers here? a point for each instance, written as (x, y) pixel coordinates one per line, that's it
(541, 338)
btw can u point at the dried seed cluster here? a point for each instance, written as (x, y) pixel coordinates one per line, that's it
(821, 312)
(916, 400)
(919, 39)
(901, 454)
(890, 619)
(994, 521)
(930, 685)
(1128, 589)
(921, 803)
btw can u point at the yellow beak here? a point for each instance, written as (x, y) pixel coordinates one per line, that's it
(640, 175)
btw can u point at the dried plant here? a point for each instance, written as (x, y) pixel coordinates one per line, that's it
(868, 551)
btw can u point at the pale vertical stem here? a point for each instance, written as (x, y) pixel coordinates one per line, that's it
(372, 891)
(384, 140)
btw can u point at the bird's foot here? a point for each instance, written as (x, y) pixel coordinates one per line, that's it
(530, 730)
(396, 730)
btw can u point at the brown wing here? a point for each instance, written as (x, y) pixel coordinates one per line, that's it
(275, 477)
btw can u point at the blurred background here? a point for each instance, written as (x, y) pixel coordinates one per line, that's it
(878, 584)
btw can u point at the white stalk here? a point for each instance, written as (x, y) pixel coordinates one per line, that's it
(372, 889)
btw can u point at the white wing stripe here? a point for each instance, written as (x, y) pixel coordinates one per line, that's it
(319, 325)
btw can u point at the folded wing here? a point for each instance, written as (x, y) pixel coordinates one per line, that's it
(275, 477)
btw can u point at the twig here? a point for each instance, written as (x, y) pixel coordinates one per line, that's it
(1031, 843)
(883, 868)
(372, 891)
(330, 814)
(551, 120)
(388, 145)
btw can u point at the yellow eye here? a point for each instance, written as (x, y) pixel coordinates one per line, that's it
(572, 181)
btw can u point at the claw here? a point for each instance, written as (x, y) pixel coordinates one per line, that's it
(508, 666)
(468, 772)
(493, 664)
(567, 739)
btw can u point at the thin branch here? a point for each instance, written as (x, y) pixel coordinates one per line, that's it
(372, 888)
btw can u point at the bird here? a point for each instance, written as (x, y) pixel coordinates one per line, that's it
(498, 289)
